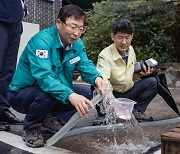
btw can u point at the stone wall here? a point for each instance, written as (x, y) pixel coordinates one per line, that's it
(172, 72)
(42, 12)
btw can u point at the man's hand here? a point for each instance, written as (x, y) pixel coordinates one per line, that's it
(100, 84)
(80, 103)
(146, 72)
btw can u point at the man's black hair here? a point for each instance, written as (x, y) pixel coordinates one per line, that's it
(123, 26)
(71, 10)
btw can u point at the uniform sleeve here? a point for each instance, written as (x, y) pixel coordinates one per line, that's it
(41, 69)
(103, 66)
(87, 69)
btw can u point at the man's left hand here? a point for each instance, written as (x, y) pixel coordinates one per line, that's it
(147, 71)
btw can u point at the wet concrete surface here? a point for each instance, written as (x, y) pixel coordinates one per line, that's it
(8, 149)
(158, 109)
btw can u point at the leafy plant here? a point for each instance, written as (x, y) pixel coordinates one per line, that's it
(153, 22)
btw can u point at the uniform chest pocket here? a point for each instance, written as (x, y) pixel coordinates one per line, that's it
(131, 66)
(68, 66)
(132, 63)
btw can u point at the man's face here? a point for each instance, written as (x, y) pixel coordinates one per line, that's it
(70, 30)
(122, 41)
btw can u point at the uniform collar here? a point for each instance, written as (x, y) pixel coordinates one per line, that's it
(115, 53)
(55, 34)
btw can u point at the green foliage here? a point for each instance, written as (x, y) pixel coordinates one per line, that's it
(157, 49)
(153, 27)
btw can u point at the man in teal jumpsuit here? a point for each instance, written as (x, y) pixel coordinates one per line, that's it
(42, 84)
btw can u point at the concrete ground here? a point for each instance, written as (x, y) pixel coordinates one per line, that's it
(11, 142)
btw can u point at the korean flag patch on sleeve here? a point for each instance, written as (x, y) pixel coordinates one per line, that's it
(42, 53)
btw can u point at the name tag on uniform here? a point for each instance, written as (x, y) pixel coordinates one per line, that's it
(42, 53)
(74, 60)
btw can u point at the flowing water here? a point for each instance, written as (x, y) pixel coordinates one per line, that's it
(127, 138)
(122, 133)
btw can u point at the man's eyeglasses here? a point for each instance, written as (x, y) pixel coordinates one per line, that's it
(74, 28)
